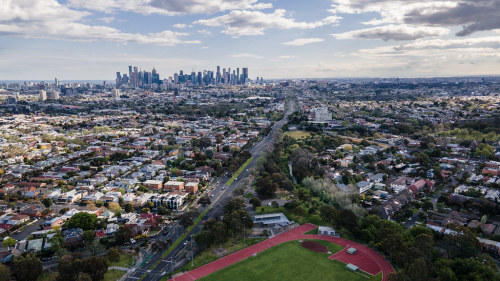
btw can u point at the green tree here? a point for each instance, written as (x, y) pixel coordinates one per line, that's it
(129, 208)
(9, 242)
(113, 255)
(4, 273)
(27, 268)
(255, 201)
(47, 202)
(69, 268)
(82, 220)
(96, 267)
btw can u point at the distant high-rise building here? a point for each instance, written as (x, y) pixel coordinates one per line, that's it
(238, 79)
(244, 76)
(56, 82)
(43, 96)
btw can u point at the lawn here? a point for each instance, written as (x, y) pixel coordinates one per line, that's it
(125, 261)
(113, 275)
(47, 276)
(240, 170)
(289, 261)
(297, 134)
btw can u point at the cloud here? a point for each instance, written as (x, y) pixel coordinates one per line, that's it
(47, 19)
(204, 32)
(471, 15)
(243, 22)
(245, 56)
(180, 25)
(169, 7)
(393, 32)
(286, 57)
(303, 41)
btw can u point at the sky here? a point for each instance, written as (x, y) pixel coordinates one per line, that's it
(278, 39)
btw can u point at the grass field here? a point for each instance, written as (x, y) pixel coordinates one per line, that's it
(125, 261)
(297, 134)
(113, 275)
(289, 261)
(240, 170)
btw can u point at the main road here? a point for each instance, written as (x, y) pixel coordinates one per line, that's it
(220, 194)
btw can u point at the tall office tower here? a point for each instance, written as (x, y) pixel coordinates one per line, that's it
(115, 93)
(233, 78)
(193, 77)
(155, 77)
(244, 76)
(118, 79)
(199, 78)
(218, 77)
(56, 82)
(43, 96)
(176, 78)
(228, 76)
(129, 71)
(238, 80)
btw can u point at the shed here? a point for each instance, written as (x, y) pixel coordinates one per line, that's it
(352, 267)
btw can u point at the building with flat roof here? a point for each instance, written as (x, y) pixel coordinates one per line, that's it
(325, 230)
(272, 220)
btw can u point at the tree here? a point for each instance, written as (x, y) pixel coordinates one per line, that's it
(427, 206)
(328, 213)
(204, 238)
(9, 242)
(205, 200)
(219, 232)
(113, 255)
(187, 218)
(162, 211)
(234, 205)
(69, 268)
(255, 201)
(114, 207)
(145, 210)
(4, 273)
(27, 268)
(123, 235)
(88, 236)
(96, 267)
(47, 202)
(129, 208)
(82, 220)
(425, 243)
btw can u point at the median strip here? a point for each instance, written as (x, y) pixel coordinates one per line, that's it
(240, 170)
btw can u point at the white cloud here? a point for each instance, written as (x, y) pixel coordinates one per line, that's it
(204, 32)
(303, 41)
(286, 57)
(245, 56)
(169, 7)
(180, 25)
(393, 32)
(241, 23)
(48, 19)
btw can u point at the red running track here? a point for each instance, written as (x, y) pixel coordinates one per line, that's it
(369, 260)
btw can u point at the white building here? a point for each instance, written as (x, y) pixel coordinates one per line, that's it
(43, 96)
(115, 93)
(322, 114)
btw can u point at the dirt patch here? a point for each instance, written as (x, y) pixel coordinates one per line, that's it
(313, 246)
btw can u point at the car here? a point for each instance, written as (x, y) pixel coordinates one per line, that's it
(185, 243)
(212, 195)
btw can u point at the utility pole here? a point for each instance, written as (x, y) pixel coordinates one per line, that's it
(244, 231)
(192, 260)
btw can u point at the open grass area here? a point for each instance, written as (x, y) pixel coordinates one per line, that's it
(113, 275)
(125, 261)
(240, 170)
(47, 276)
(297, 134)
(289, 261)
(314, 231)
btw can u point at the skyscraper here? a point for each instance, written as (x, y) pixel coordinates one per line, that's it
(43, 96)
(244, 76)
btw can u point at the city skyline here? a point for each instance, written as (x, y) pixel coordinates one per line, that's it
(89, 40)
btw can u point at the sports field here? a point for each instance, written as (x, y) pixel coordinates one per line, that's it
(290, 261)
(297, 134)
